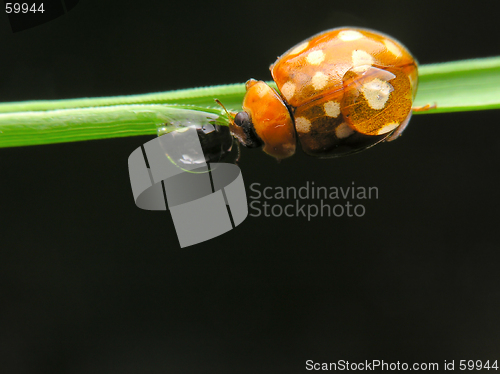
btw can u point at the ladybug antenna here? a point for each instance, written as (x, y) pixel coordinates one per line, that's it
(229, 115)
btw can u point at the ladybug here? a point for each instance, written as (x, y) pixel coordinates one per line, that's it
(340, 92)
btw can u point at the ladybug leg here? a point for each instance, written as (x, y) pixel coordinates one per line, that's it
(424, 108)
(239, 153)
(400, 129)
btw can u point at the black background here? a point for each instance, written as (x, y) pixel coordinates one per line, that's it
(91, 283)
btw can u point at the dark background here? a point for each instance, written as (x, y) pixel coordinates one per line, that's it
(91, 283)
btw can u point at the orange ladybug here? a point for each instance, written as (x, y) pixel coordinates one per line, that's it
(340, 92)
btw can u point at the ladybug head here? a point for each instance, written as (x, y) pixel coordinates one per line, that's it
(244, 131)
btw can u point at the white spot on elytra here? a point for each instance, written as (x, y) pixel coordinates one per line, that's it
(332, 109)
(343, 131)
(393, 48)
(361, 58)
(260, 89)
(319, 80)
(302, 124)
(377, 93)
(288, 90)
(388, 127)
(315, 57)
(348, 35)
(299, 48)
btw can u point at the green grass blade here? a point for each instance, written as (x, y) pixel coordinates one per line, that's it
(461, 85)
(230, 94)
(68, 125)
(453, 86)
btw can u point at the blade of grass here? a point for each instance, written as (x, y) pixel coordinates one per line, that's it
(230, 94)
(453, 86)
(68, 125)
(460, 85)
